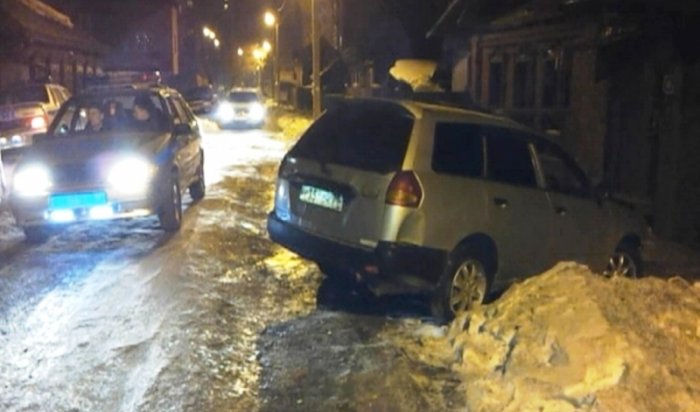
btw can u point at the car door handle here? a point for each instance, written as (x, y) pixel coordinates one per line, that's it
(500, 202)
(561, 211)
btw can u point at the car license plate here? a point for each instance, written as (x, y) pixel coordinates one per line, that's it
(77, 200)
(320, 197)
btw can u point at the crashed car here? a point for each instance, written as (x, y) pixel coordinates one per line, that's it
(114, 153)
(26, 110)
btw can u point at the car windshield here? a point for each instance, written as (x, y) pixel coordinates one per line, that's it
(126, 113)
(24, 94)
(243, 97)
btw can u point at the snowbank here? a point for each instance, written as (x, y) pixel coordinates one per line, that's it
(417, 73)
(571, 340)
(293, 124)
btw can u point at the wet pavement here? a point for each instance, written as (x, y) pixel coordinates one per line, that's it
(118, 316)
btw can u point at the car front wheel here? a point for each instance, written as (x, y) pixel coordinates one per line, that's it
(626, 261)
(170, 214)
(198, 188)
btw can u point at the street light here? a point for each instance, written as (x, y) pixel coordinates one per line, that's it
(267, 46)
(217, 43)
(240, 52)
(271, 20)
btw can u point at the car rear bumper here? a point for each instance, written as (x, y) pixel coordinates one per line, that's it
(389, 268)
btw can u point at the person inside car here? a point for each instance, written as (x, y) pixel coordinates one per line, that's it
(145, 115)
(114, 114)
(95, 119)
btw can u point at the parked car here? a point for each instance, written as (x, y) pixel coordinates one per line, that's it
(242, 108)
(26, 110)
(129, 164)
(411, 197)
(202, 99)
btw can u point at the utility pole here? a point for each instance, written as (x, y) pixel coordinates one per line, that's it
(316, 65)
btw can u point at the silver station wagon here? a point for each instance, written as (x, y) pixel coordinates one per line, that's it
(409, 197)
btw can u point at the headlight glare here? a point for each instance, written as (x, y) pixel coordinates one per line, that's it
(131, 175)
(225, 112)
(257, 112)
(32, 180)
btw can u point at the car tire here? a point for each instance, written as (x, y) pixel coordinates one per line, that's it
(36, 234)
(626, 261)
(170, 214)
(464, 284)
(198, 188)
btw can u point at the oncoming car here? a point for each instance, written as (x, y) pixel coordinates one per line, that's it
(243, 108)
(115, 153)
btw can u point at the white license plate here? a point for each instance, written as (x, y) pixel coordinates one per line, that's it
(321, 197)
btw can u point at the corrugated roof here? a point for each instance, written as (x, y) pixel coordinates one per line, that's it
(43, 26)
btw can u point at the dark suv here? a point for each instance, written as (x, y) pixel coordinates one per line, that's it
(112, 153)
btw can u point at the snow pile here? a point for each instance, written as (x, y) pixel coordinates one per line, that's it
(417, 73)
(571, 340)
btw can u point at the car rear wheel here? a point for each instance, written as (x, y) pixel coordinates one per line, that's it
(170, 214)
(198, 188)
(626, 261)
(36, 234)
(463, 286)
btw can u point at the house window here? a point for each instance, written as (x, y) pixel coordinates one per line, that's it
(523, 83)
(496, 82)
(556, 79)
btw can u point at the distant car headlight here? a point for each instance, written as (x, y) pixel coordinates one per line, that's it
(17, 139)
(3, 141)
(32, 180)
(257, 112)
(225, 112)
(131, 175)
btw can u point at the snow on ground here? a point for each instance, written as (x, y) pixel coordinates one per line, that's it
(571, 340)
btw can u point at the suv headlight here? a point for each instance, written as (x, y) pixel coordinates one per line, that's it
(32, 180)
(131, 175)
(225, 112)
(257, 112)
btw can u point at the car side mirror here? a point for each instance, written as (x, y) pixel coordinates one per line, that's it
(183, 129)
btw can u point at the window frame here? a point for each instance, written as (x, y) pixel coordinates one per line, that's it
(490, 133)
(480, 136)
(569, 162)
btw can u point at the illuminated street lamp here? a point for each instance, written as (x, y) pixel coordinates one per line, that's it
(240, 52)
(267, 46)
(271, 20)
(217, 43)
(207, 32)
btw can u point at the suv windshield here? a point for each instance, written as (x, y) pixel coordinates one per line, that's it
(144, 112)
(243, 97)
(24, 94)
(368, 137)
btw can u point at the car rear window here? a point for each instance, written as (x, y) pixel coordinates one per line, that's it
(368, 138)
(24, 94)
(458, 150)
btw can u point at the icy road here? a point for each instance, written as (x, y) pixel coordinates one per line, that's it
(118, 316)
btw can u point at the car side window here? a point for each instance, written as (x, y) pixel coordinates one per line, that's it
(183, 110)
(176, 111)
(508, 158)
(458, 150)
(560, 172)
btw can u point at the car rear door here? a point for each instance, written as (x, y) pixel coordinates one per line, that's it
(335, 178)
(519, 213)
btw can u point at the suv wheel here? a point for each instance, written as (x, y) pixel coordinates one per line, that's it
(170, 214)
(198, 188)
(36, 234)
(626, 261)
(463, 286)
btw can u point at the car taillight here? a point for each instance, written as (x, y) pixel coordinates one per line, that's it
(38, 122)
(404, 190)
